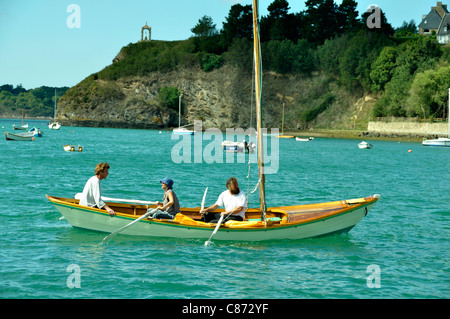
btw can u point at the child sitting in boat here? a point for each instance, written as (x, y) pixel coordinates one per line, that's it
(170, 205)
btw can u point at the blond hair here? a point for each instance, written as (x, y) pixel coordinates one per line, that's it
(100, 168)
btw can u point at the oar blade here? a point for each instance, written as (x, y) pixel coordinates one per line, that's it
(215, 230)
(208, 242)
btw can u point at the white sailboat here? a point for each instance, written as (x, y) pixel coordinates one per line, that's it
(260, 224)
(54, 125)
(181, 129)
(22, 127)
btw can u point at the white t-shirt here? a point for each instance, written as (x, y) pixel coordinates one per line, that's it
(92, 192)
(229, 201)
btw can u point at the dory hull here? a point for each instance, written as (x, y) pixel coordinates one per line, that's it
(25, 136)
(99, 220)
(22, 128)
(304, 139)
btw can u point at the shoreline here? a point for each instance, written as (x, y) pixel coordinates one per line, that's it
(355, 135)
(320, 133)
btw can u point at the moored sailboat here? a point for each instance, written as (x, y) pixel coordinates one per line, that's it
(21, 127)
(53, 125)
(181, 129)
(282, 128)
(260, 224)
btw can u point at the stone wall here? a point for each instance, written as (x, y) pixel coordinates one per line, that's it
(407, 128)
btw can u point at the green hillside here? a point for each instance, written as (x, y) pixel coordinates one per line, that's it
(327, 48)
(38, 102)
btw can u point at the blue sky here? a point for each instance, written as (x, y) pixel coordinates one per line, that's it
(38, 48)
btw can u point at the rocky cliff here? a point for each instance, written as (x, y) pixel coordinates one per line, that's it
(221, 98)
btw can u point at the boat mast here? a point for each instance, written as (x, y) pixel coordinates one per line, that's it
(258, 84)
(179, 110)
(54, 111)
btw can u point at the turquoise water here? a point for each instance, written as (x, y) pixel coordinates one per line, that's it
(405, 236)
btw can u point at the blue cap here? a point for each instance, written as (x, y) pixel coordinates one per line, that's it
(168, 181)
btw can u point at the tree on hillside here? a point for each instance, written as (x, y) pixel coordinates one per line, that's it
(206, 38)
(428, 96)
(422, 52)
(356, 61)
(205, 27)
(279, 24)
(383, 68)
(14, 90)
(321, 20)
(238, 24)
(347, 16)
(240, 54)
(413, 56)
(286, 56)
(406, 29)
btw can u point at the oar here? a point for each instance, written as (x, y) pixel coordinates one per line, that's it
(218, 224)
(215, 230)
(128, 225)
(203, 200)
(133, 201)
